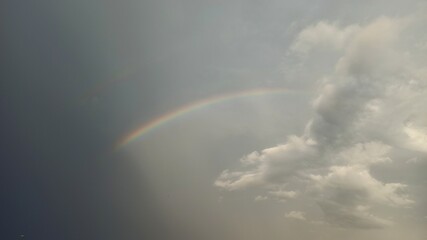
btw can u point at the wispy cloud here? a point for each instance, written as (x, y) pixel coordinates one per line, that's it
(295, 215)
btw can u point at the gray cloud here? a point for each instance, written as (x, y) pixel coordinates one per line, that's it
(347, 193)
(368, 105)
(353, 217)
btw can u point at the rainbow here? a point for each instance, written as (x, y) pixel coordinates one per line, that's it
(191, 107)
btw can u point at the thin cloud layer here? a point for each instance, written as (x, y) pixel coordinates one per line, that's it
(296, 215)
(368, 106)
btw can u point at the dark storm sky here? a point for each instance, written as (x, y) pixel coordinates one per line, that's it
(57, 173)
(64, 77)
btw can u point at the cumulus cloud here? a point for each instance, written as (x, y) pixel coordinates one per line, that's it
(368, 106)
(323, 35)
(417, 137)
(347, 193)
(365, 154)
(272, 166)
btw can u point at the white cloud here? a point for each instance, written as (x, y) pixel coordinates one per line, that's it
(369, 105)
(260, 198)
(271, 166)
(237, 180)
(283, 194)
(365, 154)
(323, 35)
(347, 193)
(354, 185)
(250, 159)
(295, 215)
(417, 137)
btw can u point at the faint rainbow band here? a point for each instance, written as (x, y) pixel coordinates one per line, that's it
(206, 102)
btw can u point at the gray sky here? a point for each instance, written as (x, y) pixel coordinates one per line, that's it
(341, 155)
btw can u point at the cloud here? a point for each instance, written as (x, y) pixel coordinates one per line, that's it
(365, 154)
(368, 106)
(347, 193)
(296, 215)
(272, 166)
(357, 217)
(323, 35)
(283, 194)
(279, 195)
(260, 198)
(417, 136)
(354, 185)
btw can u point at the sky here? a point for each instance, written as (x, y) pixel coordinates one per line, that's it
(213, 119)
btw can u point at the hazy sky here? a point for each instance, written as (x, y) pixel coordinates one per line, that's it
(340, 154)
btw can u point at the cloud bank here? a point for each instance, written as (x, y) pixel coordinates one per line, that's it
(368, 107)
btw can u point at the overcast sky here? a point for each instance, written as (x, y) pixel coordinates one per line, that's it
(341, 154)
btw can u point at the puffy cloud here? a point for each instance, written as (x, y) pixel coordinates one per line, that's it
(235, 180)
(323, 34)
(250, 159)
(272, 166)
(365, 154)
(368, 106)
(417, 137)
(347, 193)
(372, 53)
